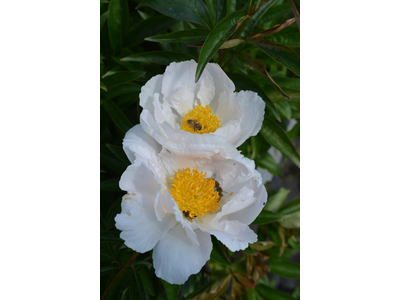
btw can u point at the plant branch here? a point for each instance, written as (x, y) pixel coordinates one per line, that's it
(119, 274)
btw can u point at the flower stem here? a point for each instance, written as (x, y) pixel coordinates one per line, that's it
(123, 269)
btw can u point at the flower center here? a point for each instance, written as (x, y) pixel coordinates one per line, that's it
(200, 120)
(194, 194)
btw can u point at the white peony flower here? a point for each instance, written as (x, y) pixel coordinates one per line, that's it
(175, 202)
(202, 118)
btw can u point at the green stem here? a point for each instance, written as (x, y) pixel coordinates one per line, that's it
(119, 274)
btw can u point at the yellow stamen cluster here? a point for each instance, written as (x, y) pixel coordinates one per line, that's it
(194, 194)
(203, 116)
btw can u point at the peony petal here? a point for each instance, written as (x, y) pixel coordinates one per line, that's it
(140, 228)
(183, 100)
(221, 81)
(175, 257)
(206, 91)
(137, 141)
(138, 178)
(253, 108)
(233, 234)
(181, 74)
(248, 214)
(146, 95)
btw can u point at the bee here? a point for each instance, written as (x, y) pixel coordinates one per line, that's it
(194, 124)
(187, 215)
(218, 189)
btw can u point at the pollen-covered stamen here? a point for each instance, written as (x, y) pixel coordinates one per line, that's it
(200, 120)
(195, 195)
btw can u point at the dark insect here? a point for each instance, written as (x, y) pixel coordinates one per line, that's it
(194, 124)
(218, 189)
(187, 215)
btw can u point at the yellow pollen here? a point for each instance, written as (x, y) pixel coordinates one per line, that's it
(194, 194)
(202, 116)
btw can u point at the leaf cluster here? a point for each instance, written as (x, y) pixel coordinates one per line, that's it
(257, 43)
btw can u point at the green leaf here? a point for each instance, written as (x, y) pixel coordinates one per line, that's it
(214, 290)
(285, 269)
(103, 19)
(249, 250)
(256, 17)
(221, 32)
(244, 83)
(281, 53)
(252, 294)
(261, 246)
(158, 57)
(195, 35)
(291, 207)
(136, 289)
(266, 217)
(109, 236)
(231, 43)
(118, 22)
(171, 290)
(102, 86)
(275, 201)
(107, 269)
(111, 162)
(295, 132)
(186, 10)
(119, 153)
(121, 89)
(120, 120)
(121, 77)
(268, 293)
(278, 138)
(284, 109)
(218, 254)
(269, 163)
(110, 185)
(150, 27)
(291, 220)
(289, 37)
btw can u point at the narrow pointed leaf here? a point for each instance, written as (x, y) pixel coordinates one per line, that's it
(102, 86)
(171, 290)
(120, 120)
(117, 23)
(291, 220)
(195, 35)
(158, 57)
(256, 17)
(275, 201)
(285, 269)
(295, 132)
(273, 29)
(266, 217)
(149, 27)
(218, 254)
(136, 289)
(110, 185)
(121, 89)
(119, 153)
(221, 32)
(269, 293)
(121, 77)
(278, 138)
(291, 207)
(231, 43)
(186, 10)
(244, 83)
(103, 19)
(281, 53)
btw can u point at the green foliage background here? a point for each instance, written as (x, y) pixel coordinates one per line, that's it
(257, 43)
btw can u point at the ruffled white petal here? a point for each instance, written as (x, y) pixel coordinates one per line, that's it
(137, 141)
(175, 257)
(152, 87)
(222, 82)
(138, 178)
(206, 91)
(140, 228)
(233, 234)
(183, 100)
(253, 108)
